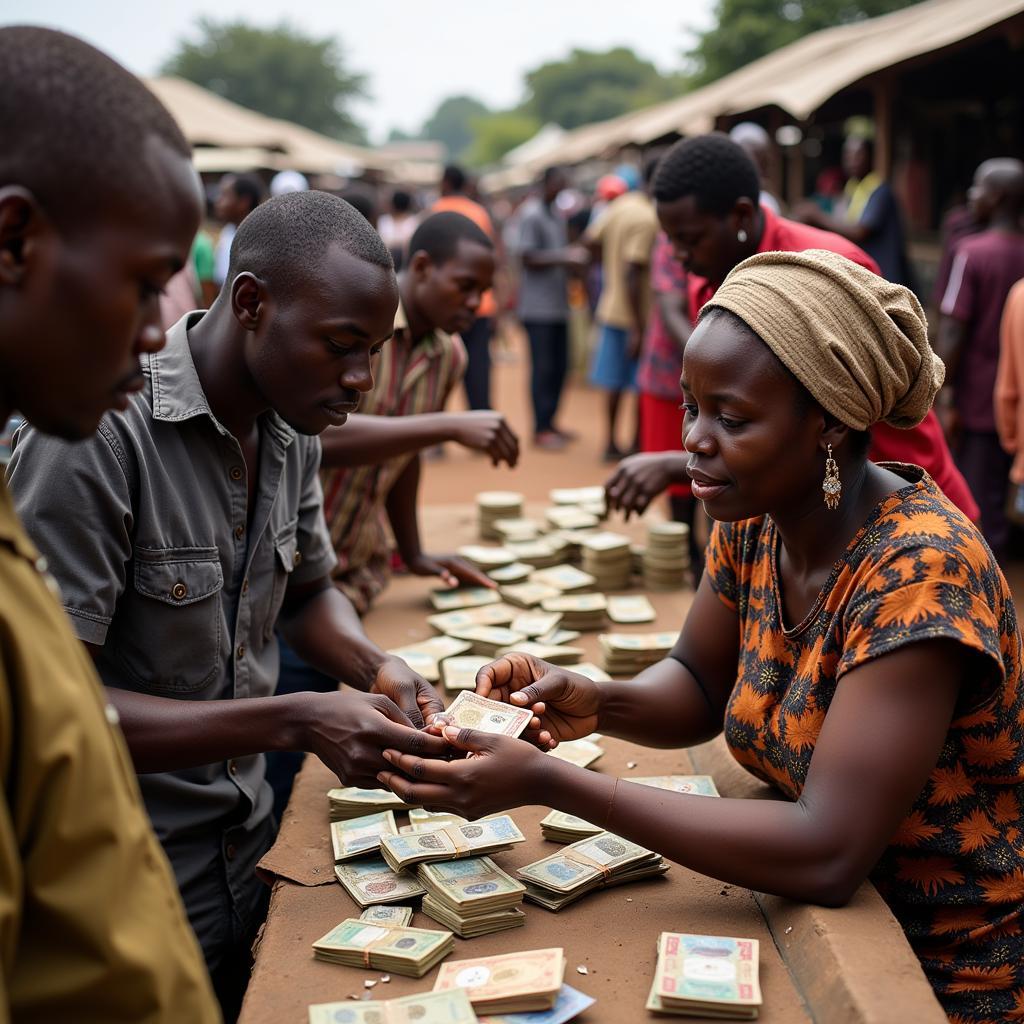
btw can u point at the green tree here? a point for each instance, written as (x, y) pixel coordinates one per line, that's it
(747, 29)
(278, 71)
(590, 86)
(452, 124)
(495, 134)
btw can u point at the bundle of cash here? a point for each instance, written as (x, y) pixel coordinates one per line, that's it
(606, 556)
(475, 839)
(517, 529)
(470, 711)
(535, 624)
(514, 573)
(579, 611)
(626, 654)
(451, 1007)
(629, 609)
(400, 916)
(359, 836)
(509, 982)
(494, 505)
(706, 976)
(487, 640)
(667, 556)
(560, 827)
(566, 579)
(527, 594)
(352, 802)
(539, 553)
(582, 753)
(577, 495)
(559, 637)
(430, 821)
(594, 672)
(592, 863)
(462, 597)
(372, 881)
(486, 558)
(471, 897)
(570, 517)
(569, 1004)
(459, 673)
(426, 656)
(556, 654)
(499, 614)
(397, 949)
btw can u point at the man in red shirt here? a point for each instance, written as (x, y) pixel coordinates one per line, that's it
(706, 191)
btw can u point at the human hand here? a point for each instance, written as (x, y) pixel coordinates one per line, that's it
(452, 570)
(484, 430)
(348, 732)
(414, 696)
(565, 705)
(577, 257)
(807, 211)
(639, 479)
(504, 772)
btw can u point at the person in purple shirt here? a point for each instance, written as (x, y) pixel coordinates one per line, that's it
(985, 268)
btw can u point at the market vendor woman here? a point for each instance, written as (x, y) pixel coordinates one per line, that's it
(852, 636)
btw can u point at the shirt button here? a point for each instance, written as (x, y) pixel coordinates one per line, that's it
(298, 557)
(179, 591)
(236, 472)
(233, 767)
(42, 564)
(230, 851)
(239, 531)
(241, 651)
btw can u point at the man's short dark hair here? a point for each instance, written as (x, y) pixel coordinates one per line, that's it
(401, 201)
(282, 237)
(248, 186)
(74, 124)
(440, 233)
(454, 177)
(711, 168)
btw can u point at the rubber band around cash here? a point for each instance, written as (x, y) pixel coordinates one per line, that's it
(383, 938)
(586, 861)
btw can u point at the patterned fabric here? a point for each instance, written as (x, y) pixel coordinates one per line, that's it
(410, 378)
(662, 360)
(917, 570)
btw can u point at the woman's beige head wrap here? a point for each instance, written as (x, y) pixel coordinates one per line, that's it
(858, 343)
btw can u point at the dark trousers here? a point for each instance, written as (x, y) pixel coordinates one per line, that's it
(549, 358)
(986, 468)
(477, 381)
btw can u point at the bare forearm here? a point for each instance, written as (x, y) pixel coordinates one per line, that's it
(673, 315)
(371, 440)
(635, 281)
(165, 734)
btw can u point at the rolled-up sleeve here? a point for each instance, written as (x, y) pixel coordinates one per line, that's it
(312, 536)
(75, 502)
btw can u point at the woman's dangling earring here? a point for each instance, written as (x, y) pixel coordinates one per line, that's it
(831, 485)
(741, 235)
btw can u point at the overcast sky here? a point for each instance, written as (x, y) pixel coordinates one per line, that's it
(413, 53)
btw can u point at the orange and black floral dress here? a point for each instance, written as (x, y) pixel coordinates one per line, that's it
(917, 570)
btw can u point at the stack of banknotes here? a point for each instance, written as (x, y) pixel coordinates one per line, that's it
(494, 505)
(516, 572)
(508, 983)
(540, 553)
(356, 837)
(372, 881)
(629, 609)
(528, 594)
(486, 641)
(555, 654)
(570, 517)
(706, 976)
(569, 1005)
(579, 611)
(471, 897)
(384, 914)
(517, 529)
(396, 949)
(566, 579)
(427, 656)
(499, 614)
(446, 600)
(626, 654)
(607, 557)
(592, 863)
(582, 753)
(666, 556)
(474, 839)
(452, 1007)
(429, 821)
(352, 802)
(591, 497)
(459, 673)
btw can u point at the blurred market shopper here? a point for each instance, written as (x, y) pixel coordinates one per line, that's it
(98, 206)
(545, 254)
(757, 144)
(985, 268)
(191, 526)
(706, 191)
(237, 196)
(1009, 394)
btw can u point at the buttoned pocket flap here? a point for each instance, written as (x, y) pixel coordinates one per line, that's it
(287, 548)
(178, 576)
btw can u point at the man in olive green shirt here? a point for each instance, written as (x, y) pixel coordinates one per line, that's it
(98, 206)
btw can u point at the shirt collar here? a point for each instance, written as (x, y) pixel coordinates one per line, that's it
(430, 344)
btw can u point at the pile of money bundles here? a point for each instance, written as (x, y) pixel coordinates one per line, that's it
(353, 802)
(706, 976)
(494, 505)
(471, 897)
(397, 949)
(451, 1007)
(475, 839)
(509, 983)
(579, 611)
(356, 837)
(667, 556)
(372, 881)
(607, 557)
(626, 654)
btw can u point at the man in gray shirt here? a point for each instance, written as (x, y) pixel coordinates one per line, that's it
(544, 303)
(192, 525)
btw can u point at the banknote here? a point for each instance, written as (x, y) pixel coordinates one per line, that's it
(372, 881)
(630, 608)
(529, 594)
(463, 597)
(696, 785)
(384, 947)
(475, 839)
(564, 578)
(707, 972)
(570, 517)
(486, 558)
(358, 836)
(353, 802)
(470, 711)
(581, 753)
(509, 982)
(567, 828)
(451, 1007)
(576, 495)
(638, 641)
(583, 862)
(488, 615)
(387, 915)
(605, 541)
(570, 1003)
(459, 673)
(430, 821)
(423, 664)
(559, 637)
(556, 654)
(474, 882)
(591, 671)
(535, 624)
(576, 603)
(514, 573)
